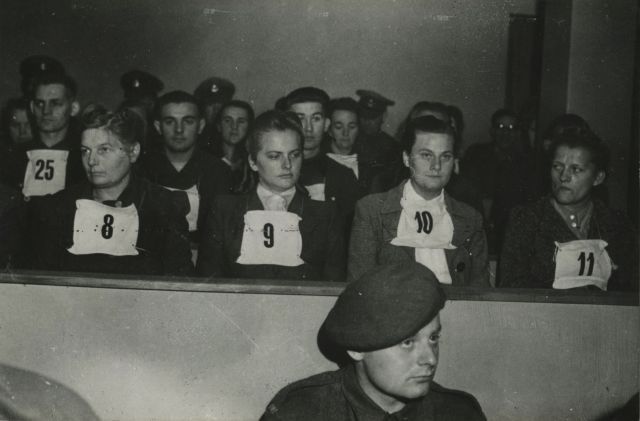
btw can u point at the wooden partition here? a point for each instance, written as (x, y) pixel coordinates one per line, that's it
(170, 350)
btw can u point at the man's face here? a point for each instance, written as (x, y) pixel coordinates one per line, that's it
(234, 123)
(344, 129)
(314, 124)
(19, 127)
(105, 159)
(371, 125)
(179, 125)
(393, 375)
(573, 175)
(53, 108)
(279, 160)
(506, 136)
(431, 163)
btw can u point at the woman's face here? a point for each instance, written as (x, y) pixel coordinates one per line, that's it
(234, 124)
(106, 160)
(344, 130)
(573, 175)
(279, 160)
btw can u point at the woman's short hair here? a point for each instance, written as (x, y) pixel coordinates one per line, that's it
(125, 124)
(270, 121)
(587, 140)
(426, 124)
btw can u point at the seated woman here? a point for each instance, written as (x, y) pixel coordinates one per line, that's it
(233, 123)
(114, 222)
(276, 230)
(418, 220)
(569, 239)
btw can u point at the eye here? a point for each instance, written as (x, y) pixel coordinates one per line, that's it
(317, 118)
(167, 121)
(295, 154)
(425, 155)
(556, 167)
(84, 151)
(190, 120)
(273, 155)
(407, 343)
(435, 338)
(446, 158)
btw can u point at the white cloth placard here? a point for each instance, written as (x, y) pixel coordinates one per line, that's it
(427, 226)
(316, 191)
(349, 161)
(46, 172)
(193, 196)
(580, 263)
(271, 238)
(98, 228)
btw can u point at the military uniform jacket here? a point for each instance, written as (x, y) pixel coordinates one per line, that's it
(337, 396)
(208, 173)
(323, 247)
(527, 258)
(162, 243)
(376, 222)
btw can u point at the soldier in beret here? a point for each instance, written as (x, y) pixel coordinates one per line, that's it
(393, 360)
(375, 147)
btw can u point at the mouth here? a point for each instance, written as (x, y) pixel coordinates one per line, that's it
(422, 379)
(286, 176)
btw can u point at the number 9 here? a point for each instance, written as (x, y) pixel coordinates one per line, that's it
(268, 235)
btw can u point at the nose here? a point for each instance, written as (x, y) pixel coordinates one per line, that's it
(286, 163)
(428, 355)
(435, 164)
(179, 127)
(345, 132)
(92, 159)
(306, 125)
(565, 175)
(47, 108)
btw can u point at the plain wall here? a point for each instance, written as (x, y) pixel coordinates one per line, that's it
(453, 51)
(142, 354)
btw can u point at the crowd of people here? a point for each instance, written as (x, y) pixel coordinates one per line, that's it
(312, 189)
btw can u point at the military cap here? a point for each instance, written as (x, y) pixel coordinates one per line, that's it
(215, 89)
(137, 84)
(372, 103)
(307, 94)
(33, 67)
(385, 306)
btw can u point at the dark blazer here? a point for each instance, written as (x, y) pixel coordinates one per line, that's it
(323, 246)
(376, 222)
(527, 258)
(163, 241)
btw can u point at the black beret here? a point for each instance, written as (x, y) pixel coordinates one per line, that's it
(307, 94)
(372, 103)
(215, 89)
(385, 306)
(137, 83)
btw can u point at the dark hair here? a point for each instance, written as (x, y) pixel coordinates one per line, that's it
(175, 97)
(587, 140)
(566, 123)
(127, 125)
(269, 121)
(56, 78)
(503, 112)
(431, 107)
(238, 104)
(344, 104)
(308, 94)
(426, 124)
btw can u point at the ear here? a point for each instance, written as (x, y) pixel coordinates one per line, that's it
(156, 124)
(456, 166)
(252, 163)
(75, 108)
(134, 153)
(202, 124)
(327, 123)
(599, 178)
(405, 159)
(356, 356)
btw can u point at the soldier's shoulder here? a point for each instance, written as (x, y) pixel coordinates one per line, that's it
(304, 397)
(456, 404)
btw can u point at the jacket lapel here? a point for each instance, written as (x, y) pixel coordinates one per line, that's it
(390, 217)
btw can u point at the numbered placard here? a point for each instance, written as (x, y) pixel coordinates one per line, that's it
(103, 229)
(580, 263)
(271, 238)
(424, 228)
(194, 205)
(46, 172)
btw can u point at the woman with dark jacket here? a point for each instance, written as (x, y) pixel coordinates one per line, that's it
(275, 230)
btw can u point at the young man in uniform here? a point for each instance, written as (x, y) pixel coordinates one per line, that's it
(393, 360)
(51, 161)
(212, 94)
(180, 164)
